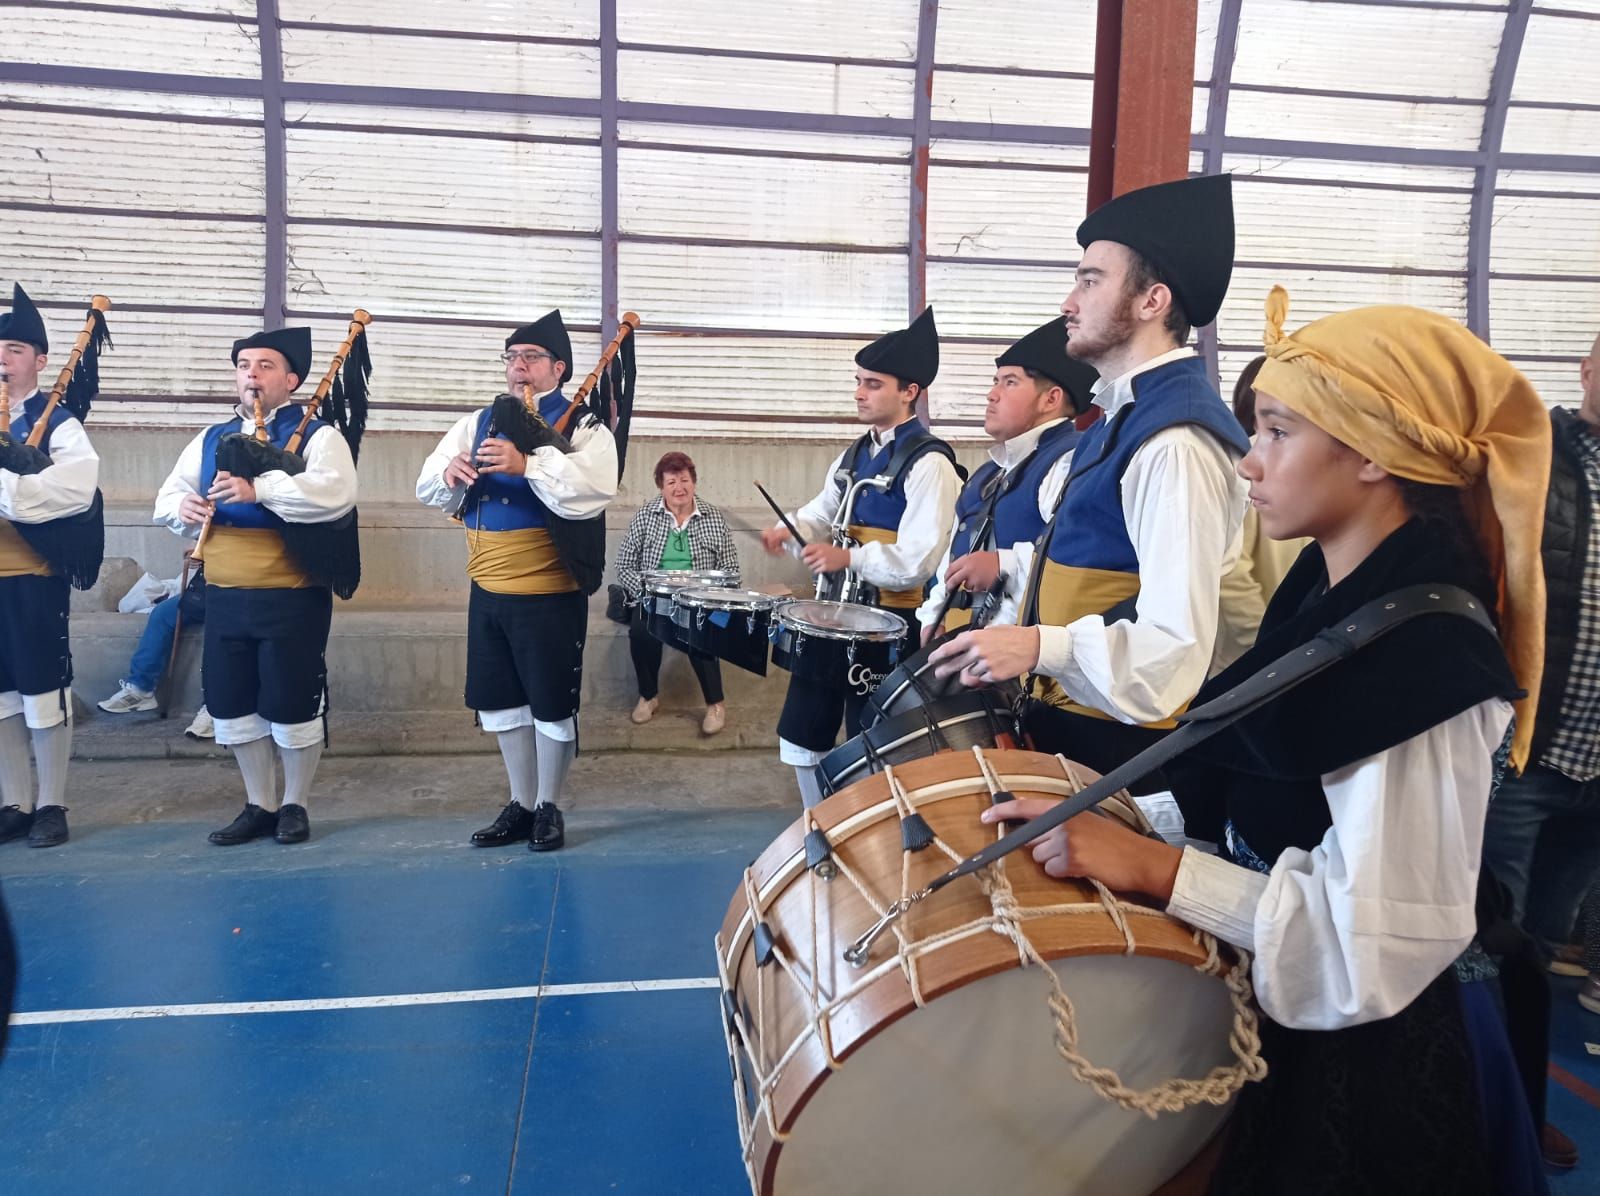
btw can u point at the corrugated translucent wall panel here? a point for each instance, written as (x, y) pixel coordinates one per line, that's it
(993, 98)
(962, 388)
(441, 272)
(1558, 57)
(649, 134)
(1552, 317)
(443, 180)
(544, 18)
(1038, 35)
(984, 212)
(163, 353)
(1366, 47)
(138, 259)
(731, 196)
(234, 8)
(109, 161)
(439, 63)
(1316, 293)
(134, 40)
(884, 29)
(773, 386)
(765, 84)
(1293, 222)
(1001, 302)
(1550, 130)
(1340, 120)
(105, 101)
(734, 287)
(1543, 235)
(1556, 380)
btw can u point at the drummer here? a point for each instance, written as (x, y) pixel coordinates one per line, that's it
(902, 529)
(1037, 392)
(675, 530)
(1120, 617)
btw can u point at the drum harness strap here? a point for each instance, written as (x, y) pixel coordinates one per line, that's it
(1326, 648)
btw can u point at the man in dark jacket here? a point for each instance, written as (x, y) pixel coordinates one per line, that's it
(1543, 834)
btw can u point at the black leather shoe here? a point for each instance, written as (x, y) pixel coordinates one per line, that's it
(252, 823)
(49, 827)
(512, 826)
(293, 825)
(549, 831)
(14, 823)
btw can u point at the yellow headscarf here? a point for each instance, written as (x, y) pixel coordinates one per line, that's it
(1426, 400)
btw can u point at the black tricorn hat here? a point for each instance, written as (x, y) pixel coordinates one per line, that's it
(1044, 350)
(22, 322)
(549, 332)
(1184, 229)
(910, 354)
(293, 343)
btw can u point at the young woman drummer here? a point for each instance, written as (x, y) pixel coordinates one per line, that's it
(1352, 810)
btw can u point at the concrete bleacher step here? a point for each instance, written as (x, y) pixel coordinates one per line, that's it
(395, 683)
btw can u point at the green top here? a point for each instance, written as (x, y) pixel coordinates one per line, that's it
(675, 552)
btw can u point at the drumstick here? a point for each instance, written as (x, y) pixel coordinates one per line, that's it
(782, 518)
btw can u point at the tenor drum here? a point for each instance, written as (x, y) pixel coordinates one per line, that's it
(657, 586)
(837, 644)
(912, 684)
(732, 625)
(1014, 1034)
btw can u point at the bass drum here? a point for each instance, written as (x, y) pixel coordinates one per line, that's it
(1015, 1034)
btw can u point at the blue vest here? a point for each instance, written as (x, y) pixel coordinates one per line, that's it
(280, 426)
(881, 508)
(1016, 511)
(1090, 533)
(22, 423)
(502, 502)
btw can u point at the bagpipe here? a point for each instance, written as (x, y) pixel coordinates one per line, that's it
(74, 545)
(607, 395)
(329, 552)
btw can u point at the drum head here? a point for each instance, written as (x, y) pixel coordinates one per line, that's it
(718, 598)
(667, 581)
(841, 620)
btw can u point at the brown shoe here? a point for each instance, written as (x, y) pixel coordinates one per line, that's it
(1559, 1151)
(716, 718)
(645, 710)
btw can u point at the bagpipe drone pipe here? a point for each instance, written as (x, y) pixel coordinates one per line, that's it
(75, 545)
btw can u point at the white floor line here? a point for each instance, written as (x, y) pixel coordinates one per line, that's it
(116, 1013)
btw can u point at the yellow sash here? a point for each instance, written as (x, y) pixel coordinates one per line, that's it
(17, 557)
(897, 599)
(251, 558)
(524, 561)
(1067, 593)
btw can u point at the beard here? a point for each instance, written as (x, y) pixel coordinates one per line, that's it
(1093, 343)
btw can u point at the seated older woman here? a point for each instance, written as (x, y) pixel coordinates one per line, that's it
(675, 531)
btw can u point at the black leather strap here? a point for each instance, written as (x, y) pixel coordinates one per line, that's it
(1327, 647)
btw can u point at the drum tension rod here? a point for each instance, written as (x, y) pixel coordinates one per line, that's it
(857, 953)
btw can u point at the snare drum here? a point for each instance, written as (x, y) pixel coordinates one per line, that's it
(654, 606)
(1014, 1033)
(974, 717)
(837, 644)
(732, 625)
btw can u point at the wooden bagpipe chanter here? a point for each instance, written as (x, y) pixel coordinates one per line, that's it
(73, 545)
(607, 395)
(329, 552)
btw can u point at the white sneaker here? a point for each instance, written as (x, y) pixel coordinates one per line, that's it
(127, 700)
(203, 727)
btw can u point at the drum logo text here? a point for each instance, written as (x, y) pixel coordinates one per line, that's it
(862, 679)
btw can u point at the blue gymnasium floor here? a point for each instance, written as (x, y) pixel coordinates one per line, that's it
(607, 1091)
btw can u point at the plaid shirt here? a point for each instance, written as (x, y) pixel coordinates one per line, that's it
(710, 542)
(1574, 748)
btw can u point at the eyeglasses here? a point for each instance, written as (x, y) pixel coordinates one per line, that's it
(527, 357)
